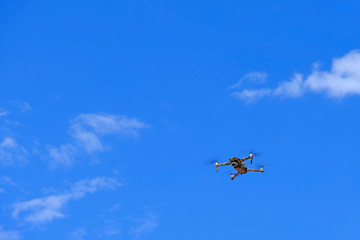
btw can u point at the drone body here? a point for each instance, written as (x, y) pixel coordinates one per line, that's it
(239, 166)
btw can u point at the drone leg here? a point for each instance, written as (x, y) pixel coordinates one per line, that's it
(234, 175)
(255, 170)
(220, 165)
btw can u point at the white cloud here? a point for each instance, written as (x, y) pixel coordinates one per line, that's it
(45, 209)
(293, 88)
(63, 155)
(87, 131)
(80, 188)
(256, 77)
(144, 225)
(8, 143)
(109, 124)
(42, 210)
(86, 140)
(250, 96)
(11, 153)
(342, 80)
(8, 235)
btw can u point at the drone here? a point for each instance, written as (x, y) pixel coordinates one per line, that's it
(239, 166)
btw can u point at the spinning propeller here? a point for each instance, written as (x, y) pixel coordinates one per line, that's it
(254, 154)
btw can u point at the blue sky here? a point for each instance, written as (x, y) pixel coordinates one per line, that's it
(109, 111)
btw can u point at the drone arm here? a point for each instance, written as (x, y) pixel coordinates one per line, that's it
(255, 170)
(223, 164)
(247, 158)
(220, 165)
(244, 159)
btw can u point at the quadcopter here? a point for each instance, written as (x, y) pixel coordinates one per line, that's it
(239, 166)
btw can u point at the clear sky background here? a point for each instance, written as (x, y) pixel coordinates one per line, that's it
(109, 111)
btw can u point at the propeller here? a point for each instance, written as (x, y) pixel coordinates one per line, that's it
(212, 161)
(254, 153)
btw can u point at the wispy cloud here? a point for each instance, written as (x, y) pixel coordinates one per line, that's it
(87, 129)
(63, 155)
(11, 153)
(255, 77)
(45, 209)
(87, 132)
(78, 234)
(3, 113)
(15, 106)
(111, 228)
(144, 225)
(9, 235)
(114, 208)
(342, 80)
(250, 95)
(7, 181)
(22, 106)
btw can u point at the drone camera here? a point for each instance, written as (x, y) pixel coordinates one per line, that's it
(251, 158)
(234, 164)
(216, 166)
